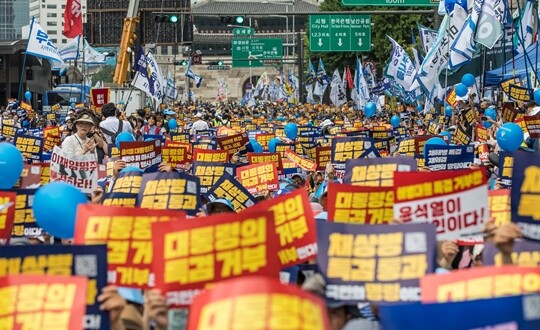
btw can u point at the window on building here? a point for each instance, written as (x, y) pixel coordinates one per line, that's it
(164, 50)
(49, 6)
(52, 23)
(54, 41)
(52, 32)
(52, 14)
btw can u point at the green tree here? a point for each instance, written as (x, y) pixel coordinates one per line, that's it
(399, 27)
(105, 74)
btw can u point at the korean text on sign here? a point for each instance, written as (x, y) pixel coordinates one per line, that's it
(25, 224)
(376, 172)
(170, 191)
(229, 188)
(141, 154)
(191, 255)
(525, 193)
(7, 215)
(294, 225)
(270, 305)
(128, 235)
(258, 177)
(42, 302)
(360, 205)
(210, 173)
(455, 201)
(377, 263)
(480, 283)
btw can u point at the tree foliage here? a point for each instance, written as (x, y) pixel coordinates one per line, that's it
(105, 74)
(399, 27)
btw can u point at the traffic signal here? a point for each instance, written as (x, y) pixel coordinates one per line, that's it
(182, 63)
(166, 18)
(232, 20)
(220, 62)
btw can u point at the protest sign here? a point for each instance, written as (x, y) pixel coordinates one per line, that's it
(79, 171)
(263, 139)
(483, 153)
(323, 155)
(180, 137)
(376, 172)
(346, 148)
(125, 190)
(461, 137)
(170, 191)
(524, 253)
(455, 201)
(525, 193)
(259, 177)
(42, 302)
(508, 313)
(419, 142)
(257, 158)
(533, 126)
(141, 154)
(51, 138)
(31, 147)
(400, 132)
(281, 148)
(506, 166)
(480, 283)
(191, 255)
(481, 134)
(8, 131)
(257, 302)
(7, 215)
(380, 132)
(210, 156)
(229, 188)
(176, 156)
(24, 224)
(30, 177)
(294, 225)
(378, 263)
(301, 162)
(127, 233)
(407, 147)
(499, 206)
(100, 96)
(446, 157)
(210, 172)
(359, 204)
(88, 261)
(433, 127)
(234, 143)
(45, 173)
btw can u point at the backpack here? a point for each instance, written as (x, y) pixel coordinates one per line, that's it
(111, 134)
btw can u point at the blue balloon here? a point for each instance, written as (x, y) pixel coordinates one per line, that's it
(131, 169)
(537, 96)
(124, 137)
(11, 165)
(395, 120)
(461, 90)
(370, 109)
(257, 147)
(509, 137)
(487, 124)
(55, 208)
(448, 111)
(173, 124)
(291, 130)
(419, 107)
(446, 134)
(272, 144)
(491, 113)
(28, 95)
(149, 139)
(468, 80)
(72, 105)
(434, 141)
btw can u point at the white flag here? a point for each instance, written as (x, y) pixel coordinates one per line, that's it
(361, 95)
(148, 77)
(337, 94)
(464, 46)
(401, 68)
(171, 90)
(524, 29)
(92, 56)
(70, 52)
(40, 45)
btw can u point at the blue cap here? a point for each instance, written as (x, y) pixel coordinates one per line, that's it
(224, 201)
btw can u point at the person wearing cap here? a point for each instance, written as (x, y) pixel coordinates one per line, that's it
(220, 205)
(199, 124)
(82, 142)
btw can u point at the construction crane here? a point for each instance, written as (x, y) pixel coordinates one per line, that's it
(126, 44)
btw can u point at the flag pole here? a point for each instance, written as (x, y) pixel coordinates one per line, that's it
(24, 61)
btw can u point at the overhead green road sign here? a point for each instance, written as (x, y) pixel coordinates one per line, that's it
(339, 33)
(253, 52)
(404, 3)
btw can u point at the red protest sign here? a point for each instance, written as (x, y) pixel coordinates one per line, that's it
(257, 158)
(210, 156)
(499, 206)
(258, 177)
(176, 156)
(43, 302)
(323, 156)
(141, 154)
(7, 215)
(100, 96)
(257, 302)
(192, 255)
(455, 201)
(480, 283)
(127, 233)
(533, 126)
(233, 143)
(301, 162)
(294, 225)
(359, 204)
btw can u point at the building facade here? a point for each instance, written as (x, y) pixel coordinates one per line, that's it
(13, 16)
